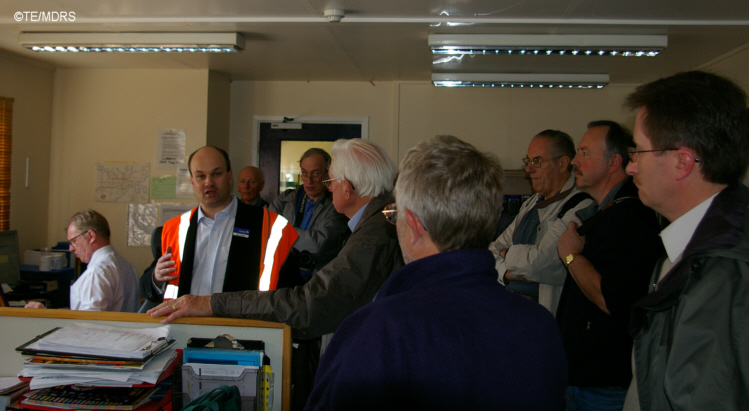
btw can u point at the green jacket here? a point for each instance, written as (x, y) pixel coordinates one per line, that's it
(692, 334)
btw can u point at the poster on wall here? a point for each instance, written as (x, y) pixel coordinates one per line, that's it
(122, 182)
(171, 150)
(141, 220)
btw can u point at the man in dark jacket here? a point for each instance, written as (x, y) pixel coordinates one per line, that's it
(691, 339)
(442, 333)
(609, 259)
(309, 208)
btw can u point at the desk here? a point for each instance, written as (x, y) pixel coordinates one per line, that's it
(18, 325)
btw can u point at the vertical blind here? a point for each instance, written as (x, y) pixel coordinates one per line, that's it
(6, 152)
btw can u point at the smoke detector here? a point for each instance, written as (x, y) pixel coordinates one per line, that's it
(335, 15)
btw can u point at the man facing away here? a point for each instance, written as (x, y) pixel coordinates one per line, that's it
(691, 348)
(250, 183)
(609, 259)
(527, 249)
(110, 283)
(442, 333)
(310, 211)
(221, 245)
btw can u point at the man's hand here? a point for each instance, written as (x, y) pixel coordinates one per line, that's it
(185, 306)
(34, 304)
(570, 241)
(162, 273)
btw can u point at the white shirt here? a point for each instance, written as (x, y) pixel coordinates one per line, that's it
(110, 283)
(212, 244)
(679, 233)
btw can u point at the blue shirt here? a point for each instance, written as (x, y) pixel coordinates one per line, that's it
(355, 219)
(212, 244)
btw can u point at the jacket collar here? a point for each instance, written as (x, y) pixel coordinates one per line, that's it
(721, 229)
(374, 207)
(435, 268)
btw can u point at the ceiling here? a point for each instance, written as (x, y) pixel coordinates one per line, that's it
(386, 40)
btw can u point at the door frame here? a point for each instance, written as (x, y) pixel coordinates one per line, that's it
(256, 120)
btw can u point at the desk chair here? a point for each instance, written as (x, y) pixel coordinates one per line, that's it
(156, 251)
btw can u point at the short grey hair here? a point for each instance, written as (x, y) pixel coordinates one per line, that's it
(454, 189)
(314, 151)
(364, 164)
(90, 220)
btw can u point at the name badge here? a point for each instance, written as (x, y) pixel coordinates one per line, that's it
(241, 232)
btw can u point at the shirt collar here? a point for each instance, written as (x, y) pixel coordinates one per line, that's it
(677, 235)
(231, 209)
(99, 254)
(355, 219)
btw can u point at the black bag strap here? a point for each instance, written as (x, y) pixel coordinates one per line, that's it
(572, 203)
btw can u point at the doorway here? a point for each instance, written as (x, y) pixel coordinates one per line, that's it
(279, 149)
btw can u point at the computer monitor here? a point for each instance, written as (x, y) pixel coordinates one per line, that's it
(10, 261)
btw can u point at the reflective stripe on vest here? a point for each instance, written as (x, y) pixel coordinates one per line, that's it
(178, 250)
(276, 233)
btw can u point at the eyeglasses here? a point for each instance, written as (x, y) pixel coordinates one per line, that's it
(536, 161)
(391, 213)
(315, 175)
(329, 181)
(635, 154)
(72, 240)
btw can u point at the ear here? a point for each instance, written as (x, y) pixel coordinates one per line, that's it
(685, 163)
(414, 224)
(615, 163)
(348, 188)
(92, 236)
(564, 162)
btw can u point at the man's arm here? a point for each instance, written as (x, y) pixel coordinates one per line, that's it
(581, 270)
(539, 262)
(325, 235)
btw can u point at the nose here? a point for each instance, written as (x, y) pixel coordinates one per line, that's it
(530, 168)
(631, 168)
(576, 161)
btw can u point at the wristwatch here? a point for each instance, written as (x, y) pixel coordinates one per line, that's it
(569, 258)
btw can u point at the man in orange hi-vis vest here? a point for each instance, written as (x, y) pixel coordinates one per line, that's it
(223, 244)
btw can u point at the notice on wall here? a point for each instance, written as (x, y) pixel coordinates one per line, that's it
(169, 211)
(184, 188)
(163, 187)
(141, 221)
(171, 150)
(122, 182)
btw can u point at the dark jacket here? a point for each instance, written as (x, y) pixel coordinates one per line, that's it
(443, 334)
(692, 341)
(242, 267)
(348, 282)
(622, 243)
(327, 230)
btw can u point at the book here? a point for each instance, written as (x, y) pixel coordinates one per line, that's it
(73, 397)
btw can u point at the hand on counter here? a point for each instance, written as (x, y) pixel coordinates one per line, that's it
(185, 306)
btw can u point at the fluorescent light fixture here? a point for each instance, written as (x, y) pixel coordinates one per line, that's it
(549, 44)
(196, 42)
(520, 80)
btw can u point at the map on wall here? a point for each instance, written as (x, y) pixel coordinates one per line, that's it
(122, 182)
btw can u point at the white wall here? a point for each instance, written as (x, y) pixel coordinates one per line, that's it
(30, 85)
(115, 115)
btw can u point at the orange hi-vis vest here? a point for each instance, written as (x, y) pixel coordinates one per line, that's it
(276, 240)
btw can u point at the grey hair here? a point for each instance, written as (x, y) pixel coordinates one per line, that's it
(454, 189)
(90, 220)
(364, 164)
(314, 151)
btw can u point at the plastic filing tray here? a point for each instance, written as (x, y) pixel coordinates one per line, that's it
(199, 379)
(223, 356)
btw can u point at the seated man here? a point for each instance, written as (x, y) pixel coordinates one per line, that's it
(441, 332)
(310, 210)
(250, 183)
(221, 245)
(110, 283)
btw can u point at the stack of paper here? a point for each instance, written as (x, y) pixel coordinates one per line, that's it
(104, 341)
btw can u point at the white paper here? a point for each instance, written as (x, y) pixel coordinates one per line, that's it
(169, 211)
(96, 339)
(184, 186)
(171, 150)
